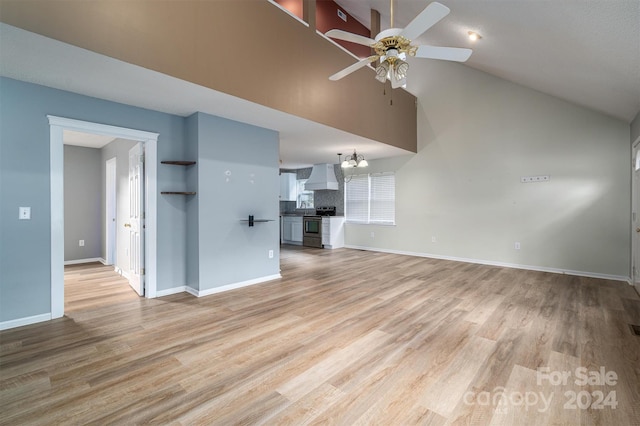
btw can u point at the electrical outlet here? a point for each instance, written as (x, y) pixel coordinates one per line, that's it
(373, 235)
(24, 213)
(270, 254)
(516, 245)
(81, 243)
(434, 239)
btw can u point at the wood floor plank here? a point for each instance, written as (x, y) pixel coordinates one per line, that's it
(345, 337)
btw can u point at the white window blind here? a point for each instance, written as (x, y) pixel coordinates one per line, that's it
(371, 199)
(383, 198)
(357, 199)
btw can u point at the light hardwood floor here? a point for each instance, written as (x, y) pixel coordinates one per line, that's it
(346, 337)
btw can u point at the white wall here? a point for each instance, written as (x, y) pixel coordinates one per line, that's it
(478, 134)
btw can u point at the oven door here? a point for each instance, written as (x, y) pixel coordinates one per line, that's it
(312, 227)
(312, 235)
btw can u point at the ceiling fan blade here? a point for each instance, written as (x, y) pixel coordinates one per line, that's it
(353, 38)
(445, 53)
(348, 70)
(425, 20)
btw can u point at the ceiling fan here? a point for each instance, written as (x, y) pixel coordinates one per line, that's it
(393, 45)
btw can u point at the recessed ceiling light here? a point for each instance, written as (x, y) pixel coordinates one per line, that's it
(473, 36)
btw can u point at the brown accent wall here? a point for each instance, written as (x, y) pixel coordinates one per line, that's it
(249, 49)
(327, 19)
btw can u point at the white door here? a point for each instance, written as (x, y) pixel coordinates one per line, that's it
(136, 218)
(110, 213)
(635, 215)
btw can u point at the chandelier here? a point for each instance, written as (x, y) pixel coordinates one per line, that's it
(350, 162)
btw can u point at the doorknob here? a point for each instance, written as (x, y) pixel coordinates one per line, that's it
(637, 229)
(128, 225)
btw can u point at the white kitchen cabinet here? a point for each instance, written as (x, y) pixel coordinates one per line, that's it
(292, 229)
(333, 232)
(288, 187)
(296, 231)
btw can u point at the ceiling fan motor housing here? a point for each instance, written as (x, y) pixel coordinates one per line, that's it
(390, 43)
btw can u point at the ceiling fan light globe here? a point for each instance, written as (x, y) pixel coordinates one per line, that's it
(344, 164)
(401, 69)
(352, 163)
(381, 71)
(363, 163)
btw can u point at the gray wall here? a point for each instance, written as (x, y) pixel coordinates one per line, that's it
(118, 149)
(635, 128)
(235, 180)
(82, 203)
(478, 135)
(25, 257)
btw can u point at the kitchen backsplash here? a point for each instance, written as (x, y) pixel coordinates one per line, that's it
(320, 198)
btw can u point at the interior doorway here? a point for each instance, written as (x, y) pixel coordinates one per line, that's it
(103, 192)
(57, 127)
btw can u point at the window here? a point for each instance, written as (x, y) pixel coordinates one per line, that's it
(305, 198)
(371, 199)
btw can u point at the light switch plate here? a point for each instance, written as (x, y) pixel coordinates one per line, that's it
(24, 213)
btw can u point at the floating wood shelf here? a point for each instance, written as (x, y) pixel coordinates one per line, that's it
(251, 220)
(179, 163)
(178, 193)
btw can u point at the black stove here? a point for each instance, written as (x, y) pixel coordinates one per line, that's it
(326, 211)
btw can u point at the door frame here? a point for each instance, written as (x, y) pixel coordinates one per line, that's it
(635, 269)
(110, 210)
(57, 127)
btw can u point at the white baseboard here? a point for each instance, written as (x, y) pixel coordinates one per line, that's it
(89, 260)
(24, 321)
(209, 291)
(170, 291)
(501, 264)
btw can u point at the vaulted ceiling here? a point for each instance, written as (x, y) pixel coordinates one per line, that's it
(584, 51)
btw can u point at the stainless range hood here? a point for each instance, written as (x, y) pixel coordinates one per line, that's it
(322, 177)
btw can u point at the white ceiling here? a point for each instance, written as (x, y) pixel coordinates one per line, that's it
(87, 140)
(584, 51)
